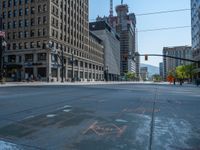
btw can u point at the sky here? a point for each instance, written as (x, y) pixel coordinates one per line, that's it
(153, 42)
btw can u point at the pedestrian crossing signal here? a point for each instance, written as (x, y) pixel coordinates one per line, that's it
(146, 57)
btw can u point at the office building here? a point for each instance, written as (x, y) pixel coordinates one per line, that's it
(170, 64)
(195, 13)
(125, 26)
(111, 44)
(35, 28)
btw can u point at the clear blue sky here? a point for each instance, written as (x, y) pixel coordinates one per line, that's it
(153, 42)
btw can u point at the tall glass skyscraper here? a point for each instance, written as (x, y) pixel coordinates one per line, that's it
(195, 13)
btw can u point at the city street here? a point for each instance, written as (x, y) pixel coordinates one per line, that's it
(133, 116)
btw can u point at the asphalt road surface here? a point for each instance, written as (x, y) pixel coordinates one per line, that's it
(100, 117)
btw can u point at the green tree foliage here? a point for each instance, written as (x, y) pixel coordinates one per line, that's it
(186, 71)
(157, 78)
(130, 75)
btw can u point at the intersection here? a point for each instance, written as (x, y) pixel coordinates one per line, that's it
(101, 117)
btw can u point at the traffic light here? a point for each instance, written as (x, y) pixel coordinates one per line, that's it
(146, 57)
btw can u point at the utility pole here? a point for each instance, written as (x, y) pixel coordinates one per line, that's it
(1, 50)
(72, 67)
(62, 65)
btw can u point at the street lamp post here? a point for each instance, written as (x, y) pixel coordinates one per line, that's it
(62, 66)
(50, 45)
(72, 61)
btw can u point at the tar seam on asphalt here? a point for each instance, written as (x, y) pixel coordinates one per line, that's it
(152, 120)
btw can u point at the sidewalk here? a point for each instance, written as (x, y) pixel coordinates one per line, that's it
(14, 84)
(10, 84)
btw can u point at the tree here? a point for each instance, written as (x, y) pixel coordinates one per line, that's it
(130, 75)
(190, 71)
(181, 72)
(157, 78)
(185, 71)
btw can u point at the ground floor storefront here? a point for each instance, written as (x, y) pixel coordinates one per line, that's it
(46, 66)
(42, 73)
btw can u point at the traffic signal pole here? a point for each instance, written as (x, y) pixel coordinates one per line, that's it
(184, 59)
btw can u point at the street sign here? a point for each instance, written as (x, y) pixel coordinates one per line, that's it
(2, 34)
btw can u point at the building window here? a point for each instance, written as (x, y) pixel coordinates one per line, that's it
(20, 59)
(8, 36)
(15, 2)
(26, 34)
(14, 35)
(9, 14)
(4, 4)
(39, 32)
(20, 45)
(81, 63)
(12, 58)
(38, 44)
(32, 21)
(26, 24)
(20, 12)
(9, 3)
(9, 25)
(20, 23)
(32, 44)
(39, 8)
(26, 11)
(32, 10)
(8, 46)
(44, 7)
(20, 34)
(14, 24)
(14, 46)
(42, 56)
(14, 13)
(42, 72)
(26, 1)
(44, 32)
(44, 20)
(32, 33)
(25, 45)
(39, 20)
(4, 15)
(29, 57)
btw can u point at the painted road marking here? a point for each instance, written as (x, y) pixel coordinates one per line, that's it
(105, 129)
(140, 110)
(29, 117)
(50, 115)
(121, 120)
(67, 110)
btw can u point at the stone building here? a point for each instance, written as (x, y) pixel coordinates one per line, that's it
(170, 64)
(38, 32)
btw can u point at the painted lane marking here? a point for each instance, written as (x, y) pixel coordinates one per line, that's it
(29, 117)
(51, 115)
(67, 110)
(121, 120)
